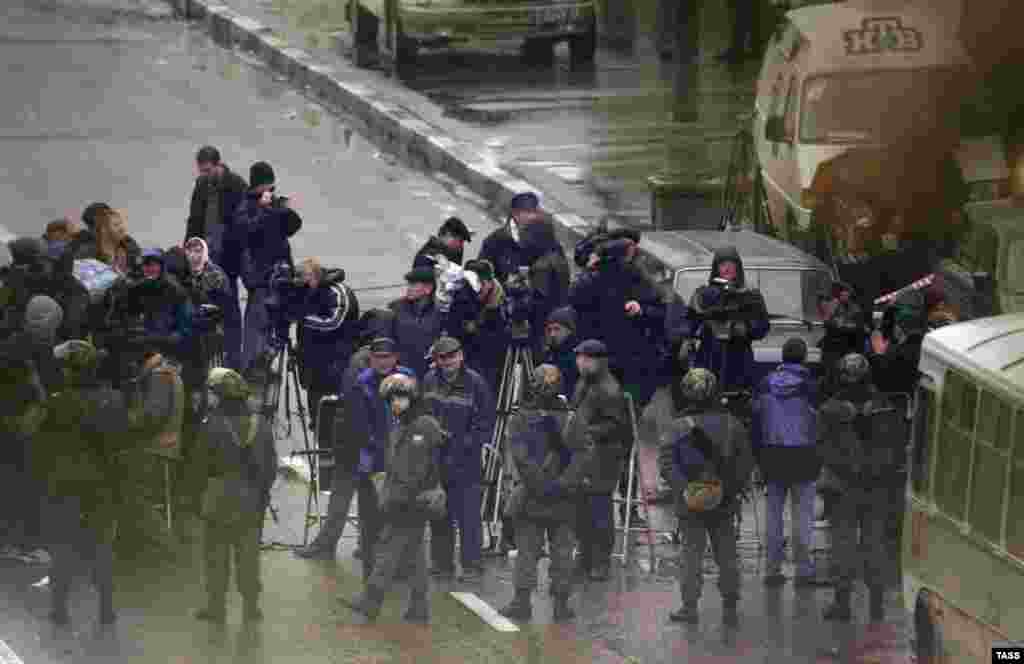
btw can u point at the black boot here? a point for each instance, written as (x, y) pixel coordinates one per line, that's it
(563, 612)
(730, 614)
(521, 607)
(419, 610)
(877, 603)
(840, 608)
(687, 613)
(107, 614)
(368, 604)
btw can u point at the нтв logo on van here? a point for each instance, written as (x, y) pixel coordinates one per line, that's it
(877, 35)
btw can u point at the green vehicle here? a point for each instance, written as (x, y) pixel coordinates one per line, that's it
(995, 247)
(963, 534)
(400, 28)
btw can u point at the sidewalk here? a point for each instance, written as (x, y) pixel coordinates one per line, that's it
(589, 156)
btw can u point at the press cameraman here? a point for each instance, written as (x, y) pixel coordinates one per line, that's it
(548, 273)
(328, 329)
(476, 318)
(502, 247)
(845, 328)
(726, 318)
(267, 221)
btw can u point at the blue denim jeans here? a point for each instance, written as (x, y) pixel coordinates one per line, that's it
(802, 515)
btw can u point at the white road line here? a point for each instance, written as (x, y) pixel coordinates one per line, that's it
(7, 655)
(485, 611)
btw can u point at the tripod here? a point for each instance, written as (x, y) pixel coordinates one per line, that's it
(282, 375)
(518, 359)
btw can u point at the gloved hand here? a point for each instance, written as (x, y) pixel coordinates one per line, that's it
(365, 462)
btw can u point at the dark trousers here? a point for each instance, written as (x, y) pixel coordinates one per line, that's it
(401, 543)
(343, 487)
(257, 322)
(463, 509)
(233, 327)
(531, 534)
(369, 523)
(697, 528)
(222, 542)
(595, 529)
(858, 532)
(76, 538)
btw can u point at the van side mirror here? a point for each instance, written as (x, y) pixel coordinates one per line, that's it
(775, 130)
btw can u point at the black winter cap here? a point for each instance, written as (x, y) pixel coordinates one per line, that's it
(482, 267)
(89, 214)
(260, 174)
(593, 348)
(524, 201)
(455, 226)
(564, 316)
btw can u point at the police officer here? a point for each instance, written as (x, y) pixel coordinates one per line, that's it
(411, 494)
(860, 435)
(708, 462)
(86, 425)
(543, 494)
(600, 426)
(463, 402)
(241, 471)
(448, 243)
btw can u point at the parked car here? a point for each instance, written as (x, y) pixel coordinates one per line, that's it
(791, 281)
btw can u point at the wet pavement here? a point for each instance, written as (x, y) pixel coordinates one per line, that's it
(126, 102)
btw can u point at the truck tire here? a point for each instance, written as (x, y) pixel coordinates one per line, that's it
(404, 51)
(364, 28)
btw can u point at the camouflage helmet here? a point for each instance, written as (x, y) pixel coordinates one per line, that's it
(703, 495)
(699, 385)
(227, 383)
(398, 384)
(546, 380)
(77, 355)
(853, 369)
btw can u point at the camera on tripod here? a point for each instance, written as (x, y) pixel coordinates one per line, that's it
(519, 305)
(285, 303)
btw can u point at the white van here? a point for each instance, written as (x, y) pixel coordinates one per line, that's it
(834, 76)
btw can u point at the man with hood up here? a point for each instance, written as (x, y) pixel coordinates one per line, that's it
(410, 495)
(216, 196)
(241, 471)
(548, 274)
(448, 243)
(726, 318)
(862, 437)
(85, 428)
(784, 436)
(543, 492)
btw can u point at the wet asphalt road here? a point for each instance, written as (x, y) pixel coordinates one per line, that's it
(125, 104)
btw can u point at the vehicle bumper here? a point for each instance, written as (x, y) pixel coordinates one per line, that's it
(484, 25)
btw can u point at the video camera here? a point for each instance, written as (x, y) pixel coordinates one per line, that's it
(734, 305)
(519, 304)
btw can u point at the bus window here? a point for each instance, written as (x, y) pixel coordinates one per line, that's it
(1015, 524)
(922, 437)
(991, 455)
(959, 402)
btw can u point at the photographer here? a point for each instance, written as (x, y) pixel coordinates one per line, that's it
(845, 328)
(726, 317)
(477, 319)
(502, 247)
(548, 275)
(449, 243)
(896, 347)
(266, 221)
(328, 329)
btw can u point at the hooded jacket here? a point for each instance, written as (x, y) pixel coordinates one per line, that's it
(714, 442)
(549, 271)
(226, 244)
(209, 283)
(265, 231)
(412, 462)
(417, 326)
(163, 305)
(731, 360)
(784, 428)
(564, 356)
(600, 430)
(368, 419)
(537, 460)
(465, 408)
(434, 246)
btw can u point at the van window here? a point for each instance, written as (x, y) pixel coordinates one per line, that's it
(991, 456)
(956, 429)
(1015, 267)
(921, 440)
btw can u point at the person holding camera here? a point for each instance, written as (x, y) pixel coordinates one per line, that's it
(267, 221)
(726, 318)
(463, 402)
(448, 243)
(216, 197)
(410, 495)
(548, 275)
(328, 330)
(708, 461)
(502, 247)
(477, 319)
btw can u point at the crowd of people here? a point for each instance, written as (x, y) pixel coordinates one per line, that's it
(122, 359)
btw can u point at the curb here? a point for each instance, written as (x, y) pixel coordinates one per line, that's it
(413, 139)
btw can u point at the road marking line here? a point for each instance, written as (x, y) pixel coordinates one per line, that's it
(485, 611)
(7, 655)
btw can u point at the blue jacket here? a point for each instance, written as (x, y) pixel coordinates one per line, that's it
(265, 232)
(370, 420)
(504, 253)
(564, 357)
(465, 408)
(481, 329)
(417, 326)
(330, 327)
(784, 429)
